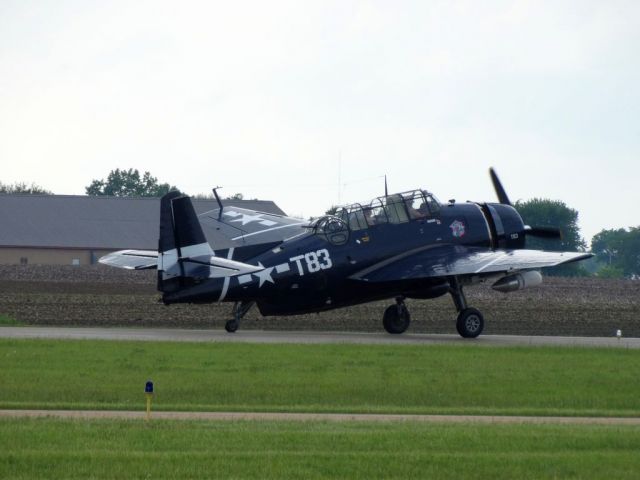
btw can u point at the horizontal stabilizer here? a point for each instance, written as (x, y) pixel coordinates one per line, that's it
(131, 259)
(215, 267)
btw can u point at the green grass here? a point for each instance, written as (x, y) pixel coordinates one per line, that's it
(320, 378)
(36, 448)
(8, 321)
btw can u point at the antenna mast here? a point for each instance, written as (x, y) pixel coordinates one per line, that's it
(215, 194)
(339, 179)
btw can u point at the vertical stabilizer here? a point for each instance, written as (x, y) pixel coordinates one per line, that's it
(189, 237)
(181, 237)
(167, 239)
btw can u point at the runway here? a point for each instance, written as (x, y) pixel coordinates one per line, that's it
(304, 337)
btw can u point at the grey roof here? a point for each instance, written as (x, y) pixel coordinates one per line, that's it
(70, 221)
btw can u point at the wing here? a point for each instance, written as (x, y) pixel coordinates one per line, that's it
(131, 259)
(449, 260)
(237, 226)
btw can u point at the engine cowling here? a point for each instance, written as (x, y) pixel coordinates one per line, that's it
(506, 227)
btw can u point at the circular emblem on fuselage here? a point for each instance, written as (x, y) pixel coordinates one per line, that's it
(457, 229)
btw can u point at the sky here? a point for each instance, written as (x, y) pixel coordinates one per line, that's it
(311, 103)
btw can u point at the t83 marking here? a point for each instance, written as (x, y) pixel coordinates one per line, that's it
(315, 261)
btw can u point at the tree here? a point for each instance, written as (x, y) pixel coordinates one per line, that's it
(332, 210)
(23, 189)
(554, 213)
(607, 244)
(127, 183)
(609, 271)
(235, 196)
(619, 250)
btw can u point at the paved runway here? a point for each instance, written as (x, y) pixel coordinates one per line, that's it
(258, 336)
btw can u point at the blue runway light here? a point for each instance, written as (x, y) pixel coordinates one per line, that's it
(148, 388)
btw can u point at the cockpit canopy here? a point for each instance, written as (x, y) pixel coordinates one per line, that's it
(393, 209)
(396, 208)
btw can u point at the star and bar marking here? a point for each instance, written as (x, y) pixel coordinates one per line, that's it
(311, 262)
(244, 218)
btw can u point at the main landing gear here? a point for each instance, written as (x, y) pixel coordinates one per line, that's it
(470, 322)
(396, 317)
(240, 309)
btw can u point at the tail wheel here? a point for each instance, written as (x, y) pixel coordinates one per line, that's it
(396, 319)
(231, 326)
(470, 323)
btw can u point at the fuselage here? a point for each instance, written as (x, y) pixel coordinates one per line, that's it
(313, 271)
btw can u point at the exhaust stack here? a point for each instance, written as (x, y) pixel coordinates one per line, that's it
(518, 281)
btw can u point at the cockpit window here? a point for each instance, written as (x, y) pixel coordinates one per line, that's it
(416, 205)
(342, 214)
(357, 220)
(432, 203)
(354, 216)
(375, 213)
(333, 229)
(396, 209)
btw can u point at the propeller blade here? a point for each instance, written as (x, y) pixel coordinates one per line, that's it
(502, 195)
(543, 232)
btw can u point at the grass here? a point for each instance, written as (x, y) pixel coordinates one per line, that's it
(35, 448)
(320, 378)
(7, 321)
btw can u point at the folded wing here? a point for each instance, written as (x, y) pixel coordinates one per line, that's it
(237, 226)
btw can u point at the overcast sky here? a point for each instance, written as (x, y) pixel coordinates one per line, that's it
(310, 103)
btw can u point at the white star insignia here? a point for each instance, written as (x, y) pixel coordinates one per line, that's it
(246, 218)
(264, 275)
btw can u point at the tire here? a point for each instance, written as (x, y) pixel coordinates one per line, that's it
(395, 321)
(231, 326)
(470, 323)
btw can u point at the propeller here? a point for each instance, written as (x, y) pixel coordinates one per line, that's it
(497, 186)
(542, 232)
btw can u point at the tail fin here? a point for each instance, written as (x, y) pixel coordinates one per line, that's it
(189, 237)
(181, 237)
(167, 238)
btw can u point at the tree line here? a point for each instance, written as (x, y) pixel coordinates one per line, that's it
(119, 183)
(617, 252)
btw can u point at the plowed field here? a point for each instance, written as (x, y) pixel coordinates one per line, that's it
(102, 296)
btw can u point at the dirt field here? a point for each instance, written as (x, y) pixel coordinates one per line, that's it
(102, 296)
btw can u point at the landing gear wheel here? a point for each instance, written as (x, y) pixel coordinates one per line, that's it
(231, 326)
(470, 323)
(396, 319)
(240, 309)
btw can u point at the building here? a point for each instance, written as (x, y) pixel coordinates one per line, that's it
(78, 230)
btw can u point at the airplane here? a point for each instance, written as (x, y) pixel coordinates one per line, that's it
(398, 246)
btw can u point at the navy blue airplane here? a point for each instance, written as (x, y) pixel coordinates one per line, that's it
(404, 245)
